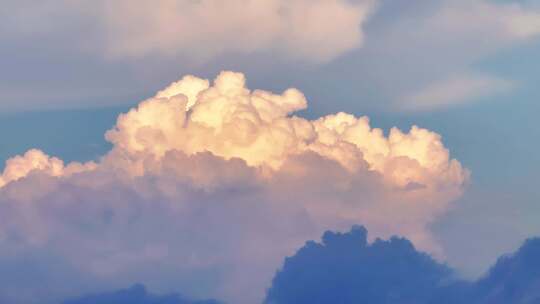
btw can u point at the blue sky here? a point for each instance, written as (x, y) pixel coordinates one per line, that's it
(465, 70)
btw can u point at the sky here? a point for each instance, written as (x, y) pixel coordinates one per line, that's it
(192, 146)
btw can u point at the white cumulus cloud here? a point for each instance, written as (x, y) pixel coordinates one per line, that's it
(209, 185)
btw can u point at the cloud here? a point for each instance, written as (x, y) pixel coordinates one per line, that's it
(455, 90)
(208, 185)
(202, 30)
(35, 160)
(136, 294)
(209, 28)
(345, 268)
(392, 51)
(479, 29)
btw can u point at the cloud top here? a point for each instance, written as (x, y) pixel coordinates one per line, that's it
(259, 127)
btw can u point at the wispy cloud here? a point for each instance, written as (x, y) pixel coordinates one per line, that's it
(199, 30)
(455, 90)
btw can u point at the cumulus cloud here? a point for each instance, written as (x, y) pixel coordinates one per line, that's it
(208, 185)
(499, 21)
(515, 278)
(35, 160)
(345, 268)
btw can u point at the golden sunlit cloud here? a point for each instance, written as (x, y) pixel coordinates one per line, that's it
(217, 165)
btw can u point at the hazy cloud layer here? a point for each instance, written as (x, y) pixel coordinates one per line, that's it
(346, 268)
(207, 28)
(208, 186)
(136, 294)
(198, 30)
(413, 56)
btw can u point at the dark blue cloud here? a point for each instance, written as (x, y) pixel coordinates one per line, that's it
(137, 294)
(514, 278)
(345, 269)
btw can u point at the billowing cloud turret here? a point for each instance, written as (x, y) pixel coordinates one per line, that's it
(214, 181)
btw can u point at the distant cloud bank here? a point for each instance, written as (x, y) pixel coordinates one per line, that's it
(200, 30)
(344, 268)
(137, 294)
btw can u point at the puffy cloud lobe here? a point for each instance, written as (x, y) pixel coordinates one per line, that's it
(35, 160)
(230, 121)
(201, 171)
(487, 26)
(502, 21)
(20, 166)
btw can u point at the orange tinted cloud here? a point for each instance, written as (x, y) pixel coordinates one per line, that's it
(234, 181)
